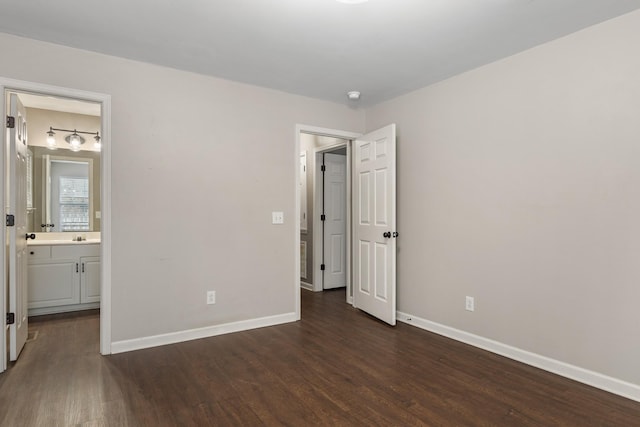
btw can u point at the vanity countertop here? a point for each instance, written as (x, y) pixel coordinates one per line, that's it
(56, 242)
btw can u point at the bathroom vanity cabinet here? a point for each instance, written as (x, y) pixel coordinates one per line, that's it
(63, 277)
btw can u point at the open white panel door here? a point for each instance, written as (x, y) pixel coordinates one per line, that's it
(335, 224)
(374, 214)
(17, 206)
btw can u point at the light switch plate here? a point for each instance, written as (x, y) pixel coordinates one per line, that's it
(277, 217)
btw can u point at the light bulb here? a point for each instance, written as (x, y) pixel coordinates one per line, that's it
(51, 139)
(74, 140)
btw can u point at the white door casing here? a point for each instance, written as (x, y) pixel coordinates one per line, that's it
(335, 224)
(303, 191)
(374, 215)
(17, 206)
(10, 85)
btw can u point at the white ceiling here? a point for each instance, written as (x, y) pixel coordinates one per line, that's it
(60, 104)
(317, 48)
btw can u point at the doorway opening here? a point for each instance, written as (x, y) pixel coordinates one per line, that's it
(57, 193)
(324, 202)
(371, 232)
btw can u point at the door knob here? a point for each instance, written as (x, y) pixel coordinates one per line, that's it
(386, 234)
(30, 236)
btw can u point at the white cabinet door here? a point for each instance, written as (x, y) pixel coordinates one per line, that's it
(374, 207)
(89, 279)
(53, 283)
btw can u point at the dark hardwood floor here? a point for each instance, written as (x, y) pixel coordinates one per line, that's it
(336, 367)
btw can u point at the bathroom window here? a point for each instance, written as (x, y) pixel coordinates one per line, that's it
(74, 204)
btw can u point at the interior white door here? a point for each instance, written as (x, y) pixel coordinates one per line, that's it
(374, 213)
(17, 206)
(335, 224)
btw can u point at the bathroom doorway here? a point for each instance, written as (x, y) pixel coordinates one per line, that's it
(75, 246)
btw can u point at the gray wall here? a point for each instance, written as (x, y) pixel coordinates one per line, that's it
(198, 165)
(518, 185)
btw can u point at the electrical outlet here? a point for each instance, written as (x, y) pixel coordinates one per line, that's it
(277, 217)
(211, 297)
(469, 304)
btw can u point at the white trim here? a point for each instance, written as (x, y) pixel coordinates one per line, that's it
(303, 259)
(307, 286)
(304, 222)
(105, 182)
(105, 230)
(4, 329)
(594, 379)
(63, 309)
(296, 155)
(198, 333)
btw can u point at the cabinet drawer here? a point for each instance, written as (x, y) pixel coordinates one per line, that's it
(39, 252)
(74, 251)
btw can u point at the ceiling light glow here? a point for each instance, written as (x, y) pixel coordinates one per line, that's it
(352, 1)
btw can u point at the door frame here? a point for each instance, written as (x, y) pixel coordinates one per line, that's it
(320, 131)
(318, 243)
(7, 85)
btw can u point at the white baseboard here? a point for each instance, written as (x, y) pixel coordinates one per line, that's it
(63, 309)
(194, 334)
(595, 379)
(307, 286)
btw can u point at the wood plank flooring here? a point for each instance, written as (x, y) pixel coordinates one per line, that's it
(336, 367)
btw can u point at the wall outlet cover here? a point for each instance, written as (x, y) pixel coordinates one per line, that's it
(211, 297)
(277, 217)
(469, 304)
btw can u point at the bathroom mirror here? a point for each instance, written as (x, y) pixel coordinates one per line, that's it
(65, 193)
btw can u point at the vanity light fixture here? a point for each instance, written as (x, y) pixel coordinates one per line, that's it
(74, 139)
(51, 139)
(97, 144)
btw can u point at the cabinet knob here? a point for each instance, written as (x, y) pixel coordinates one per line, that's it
(32, 253)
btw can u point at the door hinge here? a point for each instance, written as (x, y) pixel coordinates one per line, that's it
(323, 168)
(11, 220)
(322, 267)
(11, 122)
(11, 318)
(323, 217)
